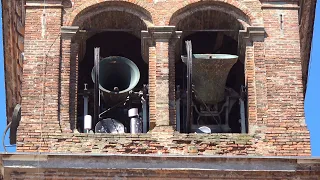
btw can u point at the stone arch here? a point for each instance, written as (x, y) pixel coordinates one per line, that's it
(231, 7)
(92, 8)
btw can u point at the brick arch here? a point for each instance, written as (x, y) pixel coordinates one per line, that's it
(91, 8)
(232, 7)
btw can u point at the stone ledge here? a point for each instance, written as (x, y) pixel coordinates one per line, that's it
(99, 161)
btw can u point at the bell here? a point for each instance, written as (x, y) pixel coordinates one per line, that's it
(117, 76)
(209, 75)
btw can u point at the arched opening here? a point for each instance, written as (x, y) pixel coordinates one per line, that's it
(123, 73)
(214, 38)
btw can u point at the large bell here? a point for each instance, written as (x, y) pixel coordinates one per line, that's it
(209, 75)
(117, 76)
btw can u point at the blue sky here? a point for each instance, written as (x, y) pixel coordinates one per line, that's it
(312, 107)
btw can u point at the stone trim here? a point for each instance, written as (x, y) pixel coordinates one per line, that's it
(79, 161)
(279, 4)
(41, 4)
(253, 33)
(157, 33)
(68, 32)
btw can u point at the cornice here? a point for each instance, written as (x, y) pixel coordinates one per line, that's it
(253, 33)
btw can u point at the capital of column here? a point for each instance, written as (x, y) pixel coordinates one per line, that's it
(68, 32)
(157, 34)
(47, 4)
(252, 34)
(160, 34)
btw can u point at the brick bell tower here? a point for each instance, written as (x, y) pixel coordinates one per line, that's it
(259, 111)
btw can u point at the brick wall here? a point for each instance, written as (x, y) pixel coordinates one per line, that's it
(41, 71)
(13, 37)
(273, 76)
(284, 75)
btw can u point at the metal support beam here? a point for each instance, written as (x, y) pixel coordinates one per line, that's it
(211, 30)
(145, 122)
(178, 111)
(96, 86)
(189, 85)
(107, 30)
(144, 116)
(243, 118)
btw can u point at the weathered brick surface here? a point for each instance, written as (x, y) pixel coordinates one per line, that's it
(165, 174)
(273, 76)
(41, 71)
(13, 34)
(306, 33)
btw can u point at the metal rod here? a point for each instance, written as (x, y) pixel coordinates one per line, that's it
(85, 101)
(189, 83)
(144, 109)
(211, 30)
(132, 30)
(178, 126)
(96, 86)
(110, 30)
(243, 120)
(85, 105)
(4, 136)
(144, 116)
(109, 109)
(227, 111)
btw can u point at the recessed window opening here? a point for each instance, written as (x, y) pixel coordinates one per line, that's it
(218, 97)
(123, 75)
(217, 85)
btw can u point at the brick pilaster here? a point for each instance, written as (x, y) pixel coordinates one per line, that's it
(251, 87)
(40, 92)
(41, 68)
(261, 82)
(68, 85)
(255, 75)
(152, 86)
(161, 77)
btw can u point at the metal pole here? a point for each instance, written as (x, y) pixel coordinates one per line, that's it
(96, 86)
(144, 110)
(85, 107)
(144, 116)
(243, 119)
(189, 83)
(242, 109)
(211, 30)
(85, 100)
(227, 113)
(178, 109)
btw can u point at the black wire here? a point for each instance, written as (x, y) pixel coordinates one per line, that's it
(4, 136)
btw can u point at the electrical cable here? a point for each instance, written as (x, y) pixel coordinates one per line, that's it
(4, 136)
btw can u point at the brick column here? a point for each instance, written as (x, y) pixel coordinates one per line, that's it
(260, 81)
(41, 68)
(68, 85)
(255, 76)
(152, 86)
(40, 84)
(161, 77)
